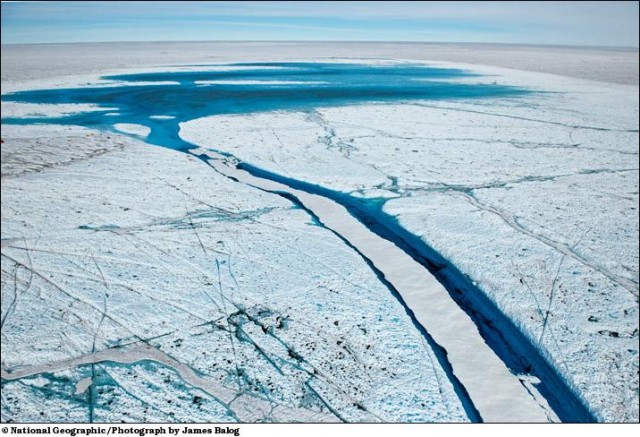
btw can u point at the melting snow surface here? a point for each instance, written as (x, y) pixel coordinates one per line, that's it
(139, 284)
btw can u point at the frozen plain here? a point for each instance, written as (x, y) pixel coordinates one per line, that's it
(534, 199)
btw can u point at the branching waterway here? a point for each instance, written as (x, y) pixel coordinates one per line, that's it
(488, 360)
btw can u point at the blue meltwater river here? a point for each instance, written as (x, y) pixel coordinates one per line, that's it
(163, 100)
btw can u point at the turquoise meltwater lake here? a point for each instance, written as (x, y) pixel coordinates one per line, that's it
(200, 91)
(162, 100)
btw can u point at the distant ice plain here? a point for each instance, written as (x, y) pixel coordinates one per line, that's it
(524, 152)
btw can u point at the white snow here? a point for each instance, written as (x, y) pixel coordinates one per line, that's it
(534, 198)
(35, 148)
(131, 128)
(45, 61)
(496, 393)
(83, 385)
(24, 110)
(147, 243)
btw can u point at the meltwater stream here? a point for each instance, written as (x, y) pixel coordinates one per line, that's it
(477, 366)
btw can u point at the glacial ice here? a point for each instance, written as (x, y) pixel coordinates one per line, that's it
(184, 296)
(534, 198)
(127, 275)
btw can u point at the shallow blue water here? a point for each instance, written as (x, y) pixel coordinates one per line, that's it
(316, 85)
(508, 342)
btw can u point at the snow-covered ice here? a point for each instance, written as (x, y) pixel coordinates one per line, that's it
(34, 148)
(147, 253)
(534, 198)
(140, 284)
(132, 128)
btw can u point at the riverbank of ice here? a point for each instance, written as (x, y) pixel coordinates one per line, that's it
(534, 198)
(185, 296)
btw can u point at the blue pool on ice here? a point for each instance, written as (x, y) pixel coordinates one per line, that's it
(252, 87)
(180, 96)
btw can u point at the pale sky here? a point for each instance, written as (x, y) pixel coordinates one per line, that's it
(603, 23)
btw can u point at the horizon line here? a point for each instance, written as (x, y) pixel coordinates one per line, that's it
(579, 46)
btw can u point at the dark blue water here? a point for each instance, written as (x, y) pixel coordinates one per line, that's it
(318, 85)
(508, 342)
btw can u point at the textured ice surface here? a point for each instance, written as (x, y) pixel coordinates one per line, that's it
(43, 110)
(399, 152)
(481, 378)
(534, 198)
(34, 148)
(232, 303)
(37, 61)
